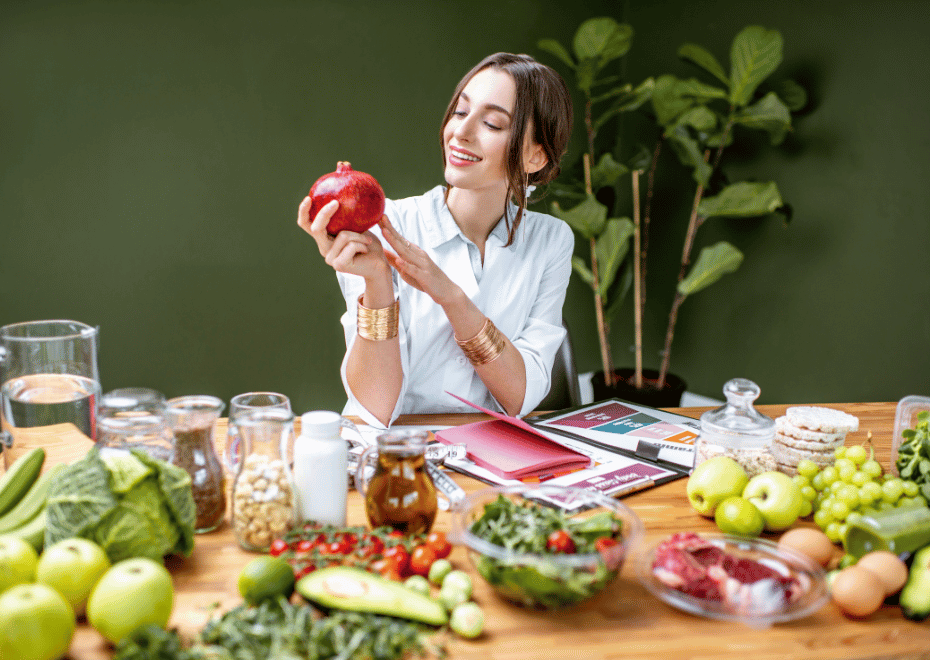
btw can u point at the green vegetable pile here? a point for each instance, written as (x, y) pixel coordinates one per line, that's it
(283, 631)
(914, 454)
(535, 575)
(129, 503)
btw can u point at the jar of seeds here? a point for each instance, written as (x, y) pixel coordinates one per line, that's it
(263, 490)
(738, 430)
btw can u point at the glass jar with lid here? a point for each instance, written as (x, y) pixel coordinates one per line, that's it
(134, 418)
(738, 430)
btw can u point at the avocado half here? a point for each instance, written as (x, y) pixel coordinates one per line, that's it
(345, 588)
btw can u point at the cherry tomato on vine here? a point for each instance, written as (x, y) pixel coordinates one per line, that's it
(278, 547)
(304, 546)
(401, 557)
(305, 570)
(386, 568)
(440, 545)
(421, 559)
(559, 541)
(338, 548)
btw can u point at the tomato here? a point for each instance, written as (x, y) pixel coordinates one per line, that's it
(338, 548)
(369, 547)
(437, 541)
(351, 540)
(605, 543)
(305, 547)
(278, 547)
(421, 559)
(386, 568)
(306, 570)
(559, 541)
(399, 554)
(610, 550)
(396, 534)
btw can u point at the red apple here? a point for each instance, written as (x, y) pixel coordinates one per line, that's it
(360, 197)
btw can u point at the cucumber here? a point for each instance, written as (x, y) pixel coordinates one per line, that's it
(33, 532)
(32, 503)
(915, 596)
(19, 477)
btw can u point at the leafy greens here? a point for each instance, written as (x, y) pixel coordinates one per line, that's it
(129, 503)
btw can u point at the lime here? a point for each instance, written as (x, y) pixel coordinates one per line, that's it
(264, 578)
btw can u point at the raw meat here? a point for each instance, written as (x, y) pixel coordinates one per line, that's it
(694, 566)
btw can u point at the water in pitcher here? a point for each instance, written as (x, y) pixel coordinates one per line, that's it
(39, 400)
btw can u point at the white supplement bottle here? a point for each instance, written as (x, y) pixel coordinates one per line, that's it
(321, 475)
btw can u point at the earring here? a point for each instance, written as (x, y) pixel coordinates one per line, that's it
(527, 188)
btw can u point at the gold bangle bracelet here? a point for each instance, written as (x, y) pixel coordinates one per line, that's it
(377, 324)
(484, 347)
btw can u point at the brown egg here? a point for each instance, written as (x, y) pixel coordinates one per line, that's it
(857, 591)
(888, 567)
(810, 542)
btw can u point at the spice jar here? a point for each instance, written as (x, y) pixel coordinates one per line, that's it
(263, 492)
(192, 419)
(738, 430)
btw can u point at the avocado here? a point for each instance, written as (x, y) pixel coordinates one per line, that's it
(345, 588)
(915, 596)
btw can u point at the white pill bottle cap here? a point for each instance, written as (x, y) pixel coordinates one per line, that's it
(320, 424)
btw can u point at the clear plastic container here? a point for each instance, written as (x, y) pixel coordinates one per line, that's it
(906, 418)
(737, 430)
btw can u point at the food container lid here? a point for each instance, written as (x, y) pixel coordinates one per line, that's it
(737, 423)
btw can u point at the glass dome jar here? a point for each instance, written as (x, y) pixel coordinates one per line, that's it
(134, 418)
(738, 430)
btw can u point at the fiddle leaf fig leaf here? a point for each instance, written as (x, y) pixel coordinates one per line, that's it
(607, 171)
(611, 248)
(620, 291)
(587, 218)
(700, 92)
(637, 97)
(690, 154)
(585, 73)
(769, 114)
(754, 55)
(583, 271)
(555, 48)
(616, 91)
(699, 118)
(792, 94)
(667, 101)
(742, 200)
(713, 263)
(702, 57)
(602, 39)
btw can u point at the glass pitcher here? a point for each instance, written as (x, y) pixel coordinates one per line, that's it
(400, 493)
(192, 420)
(49, 385)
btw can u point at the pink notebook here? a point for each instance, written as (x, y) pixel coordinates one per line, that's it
(511, 448)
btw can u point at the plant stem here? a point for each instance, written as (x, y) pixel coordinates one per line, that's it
(602, 329)
(637, 284)
(669, 333)
(647, 215)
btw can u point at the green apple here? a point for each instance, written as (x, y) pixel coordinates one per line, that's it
(17, 562)
(36, 623)
(737, 515)
(713, 481)
(777, 497)
(72, 567)
(133, 593)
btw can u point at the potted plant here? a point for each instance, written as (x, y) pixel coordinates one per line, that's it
(697, 120)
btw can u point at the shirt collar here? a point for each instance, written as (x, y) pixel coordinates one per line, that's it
(446, 228)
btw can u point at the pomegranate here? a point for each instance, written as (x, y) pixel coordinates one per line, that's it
(361, 199)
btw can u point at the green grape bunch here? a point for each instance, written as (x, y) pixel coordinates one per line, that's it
(855, 485)
(913, 460)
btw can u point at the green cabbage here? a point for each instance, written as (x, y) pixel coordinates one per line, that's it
(129, 503)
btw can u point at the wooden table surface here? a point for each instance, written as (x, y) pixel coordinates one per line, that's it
(624, 621)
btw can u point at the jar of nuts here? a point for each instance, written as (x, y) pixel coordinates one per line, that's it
(738, 430)
(263, 491)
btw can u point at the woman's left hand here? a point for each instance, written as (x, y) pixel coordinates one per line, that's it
(415, 266)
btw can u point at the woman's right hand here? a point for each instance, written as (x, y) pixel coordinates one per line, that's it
(347, 252)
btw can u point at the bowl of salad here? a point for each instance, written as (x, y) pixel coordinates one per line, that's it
(544, 546)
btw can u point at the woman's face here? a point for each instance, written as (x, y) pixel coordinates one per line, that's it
(475, 138)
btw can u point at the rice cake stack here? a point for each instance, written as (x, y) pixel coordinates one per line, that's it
(812, 433)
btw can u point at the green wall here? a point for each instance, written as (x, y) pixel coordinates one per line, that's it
(152, 156)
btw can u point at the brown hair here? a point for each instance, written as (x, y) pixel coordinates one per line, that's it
(543, 101)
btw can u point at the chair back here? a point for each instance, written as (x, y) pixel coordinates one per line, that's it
(564, 390)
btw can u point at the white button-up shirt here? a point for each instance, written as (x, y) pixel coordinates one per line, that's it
(521, 288)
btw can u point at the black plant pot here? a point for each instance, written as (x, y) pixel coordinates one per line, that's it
(650, 395)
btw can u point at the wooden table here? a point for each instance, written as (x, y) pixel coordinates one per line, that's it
(624, 621)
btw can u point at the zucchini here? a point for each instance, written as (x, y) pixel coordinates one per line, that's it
(19, 477)
(33, 532)
(915, 596)
(33, 502)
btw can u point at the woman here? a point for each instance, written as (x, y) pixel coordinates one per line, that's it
(466, 296)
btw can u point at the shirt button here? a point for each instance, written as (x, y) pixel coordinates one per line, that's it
(461, 360)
